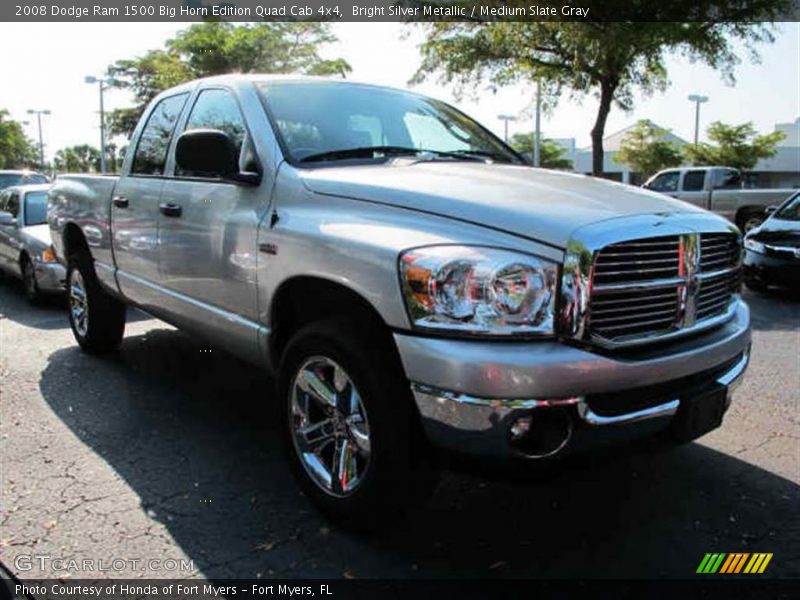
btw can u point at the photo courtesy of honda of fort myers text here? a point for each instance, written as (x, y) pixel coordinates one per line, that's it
(390, 299)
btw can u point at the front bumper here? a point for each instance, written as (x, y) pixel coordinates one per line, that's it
(772, 270)
(50, 277)
(470, 393)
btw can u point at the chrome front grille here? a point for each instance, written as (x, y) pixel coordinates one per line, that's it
(646, 288)
(718, 251)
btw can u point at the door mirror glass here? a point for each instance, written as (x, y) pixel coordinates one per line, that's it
(6, 218)
(207, 153)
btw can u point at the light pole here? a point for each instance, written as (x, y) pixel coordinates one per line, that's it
(537, 137)
(39, 114)
(506, 119)
(91, 79)
(698, 100)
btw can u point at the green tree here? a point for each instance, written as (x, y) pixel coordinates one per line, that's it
(214, 48)
(82, 158)
(646, 149)
(551, 154)
(737, 146)
(609, 59)
(16, 150)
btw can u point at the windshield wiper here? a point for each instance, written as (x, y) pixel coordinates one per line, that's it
(477, 154)
(371, 151)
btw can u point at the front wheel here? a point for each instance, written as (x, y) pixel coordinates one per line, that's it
(97, 318)
(31, 286)
(352, 434)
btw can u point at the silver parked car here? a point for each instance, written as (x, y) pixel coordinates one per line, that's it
(409, 279)
(25, 248)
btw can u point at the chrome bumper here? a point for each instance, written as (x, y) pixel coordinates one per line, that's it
(470, 393)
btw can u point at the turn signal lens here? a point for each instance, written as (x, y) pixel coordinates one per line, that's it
(49, 255)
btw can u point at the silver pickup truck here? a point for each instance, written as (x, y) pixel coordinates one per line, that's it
(719, 189)
(412, 284)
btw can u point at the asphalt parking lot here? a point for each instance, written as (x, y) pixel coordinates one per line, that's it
(169, 451)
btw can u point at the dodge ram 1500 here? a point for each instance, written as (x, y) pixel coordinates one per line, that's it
(410, 281)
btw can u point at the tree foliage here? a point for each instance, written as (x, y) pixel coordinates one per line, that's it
(610, 59)
(737, 146)
(215, 48)
(646, 149)
(16, 150)
(82, 158)
(551, 154)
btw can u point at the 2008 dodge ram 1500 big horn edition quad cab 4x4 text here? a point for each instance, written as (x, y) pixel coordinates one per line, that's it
(409, 280)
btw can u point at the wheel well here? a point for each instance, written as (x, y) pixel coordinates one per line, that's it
(22, 257)
(303, 300)
(74, 241)
(746, 211)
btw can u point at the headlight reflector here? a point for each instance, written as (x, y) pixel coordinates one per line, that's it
(754, 246)
(477, 290)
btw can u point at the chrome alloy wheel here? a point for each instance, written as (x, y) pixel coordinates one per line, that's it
(329, 426)
(78, 305)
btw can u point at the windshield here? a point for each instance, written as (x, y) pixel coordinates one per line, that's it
(326, 121)
(9, 179)
(790, 211)
(35, 208)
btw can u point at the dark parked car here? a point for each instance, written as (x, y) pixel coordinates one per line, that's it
(773, 249)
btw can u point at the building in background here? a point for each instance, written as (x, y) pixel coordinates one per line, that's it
(780, 171)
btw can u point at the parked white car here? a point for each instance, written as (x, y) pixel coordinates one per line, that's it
(25, 248)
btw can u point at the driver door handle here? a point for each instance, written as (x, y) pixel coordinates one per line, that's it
(120, 201)
(170, 209)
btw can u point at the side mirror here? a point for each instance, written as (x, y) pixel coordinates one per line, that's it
(211, 153)
(6, 218)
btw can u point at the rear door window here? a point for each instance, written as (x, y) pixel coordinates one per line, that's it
(693, 181)
(151, 153)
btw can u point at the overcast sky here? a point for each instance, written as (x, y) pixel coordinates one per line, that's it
(44, 64)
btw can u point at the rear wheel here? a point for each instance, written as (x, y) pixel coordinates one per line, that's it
(352, 434)
(97, 318)
(750, 220)
(29, 283)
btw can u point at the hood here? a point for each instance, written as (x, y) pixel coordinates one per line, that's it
(535, 203)
(777, 231)
(38, 234)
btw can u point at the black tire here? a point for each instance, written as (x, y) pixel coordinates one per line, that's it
(29, 284)
(104, 325)
(402, 470)
(749, 220)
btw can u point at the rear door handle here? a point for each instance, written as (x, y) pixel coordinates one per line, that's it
(120, 201)
(170, 210)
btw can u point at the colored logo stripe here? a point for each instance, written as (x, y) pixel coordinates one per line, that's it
(735, 562)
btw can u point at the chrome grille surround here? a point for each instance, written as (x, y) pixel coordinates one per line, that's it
(642, 279)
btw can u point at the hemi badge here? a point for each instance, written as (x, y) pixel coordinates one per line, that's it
(268, 248)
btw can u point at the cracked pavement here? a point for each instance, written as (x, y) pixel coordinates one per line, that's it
(169, 452)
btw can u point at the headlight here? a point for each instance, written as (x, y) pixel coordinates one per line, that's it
(754, 246)
(476, 290)
(49, 255)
